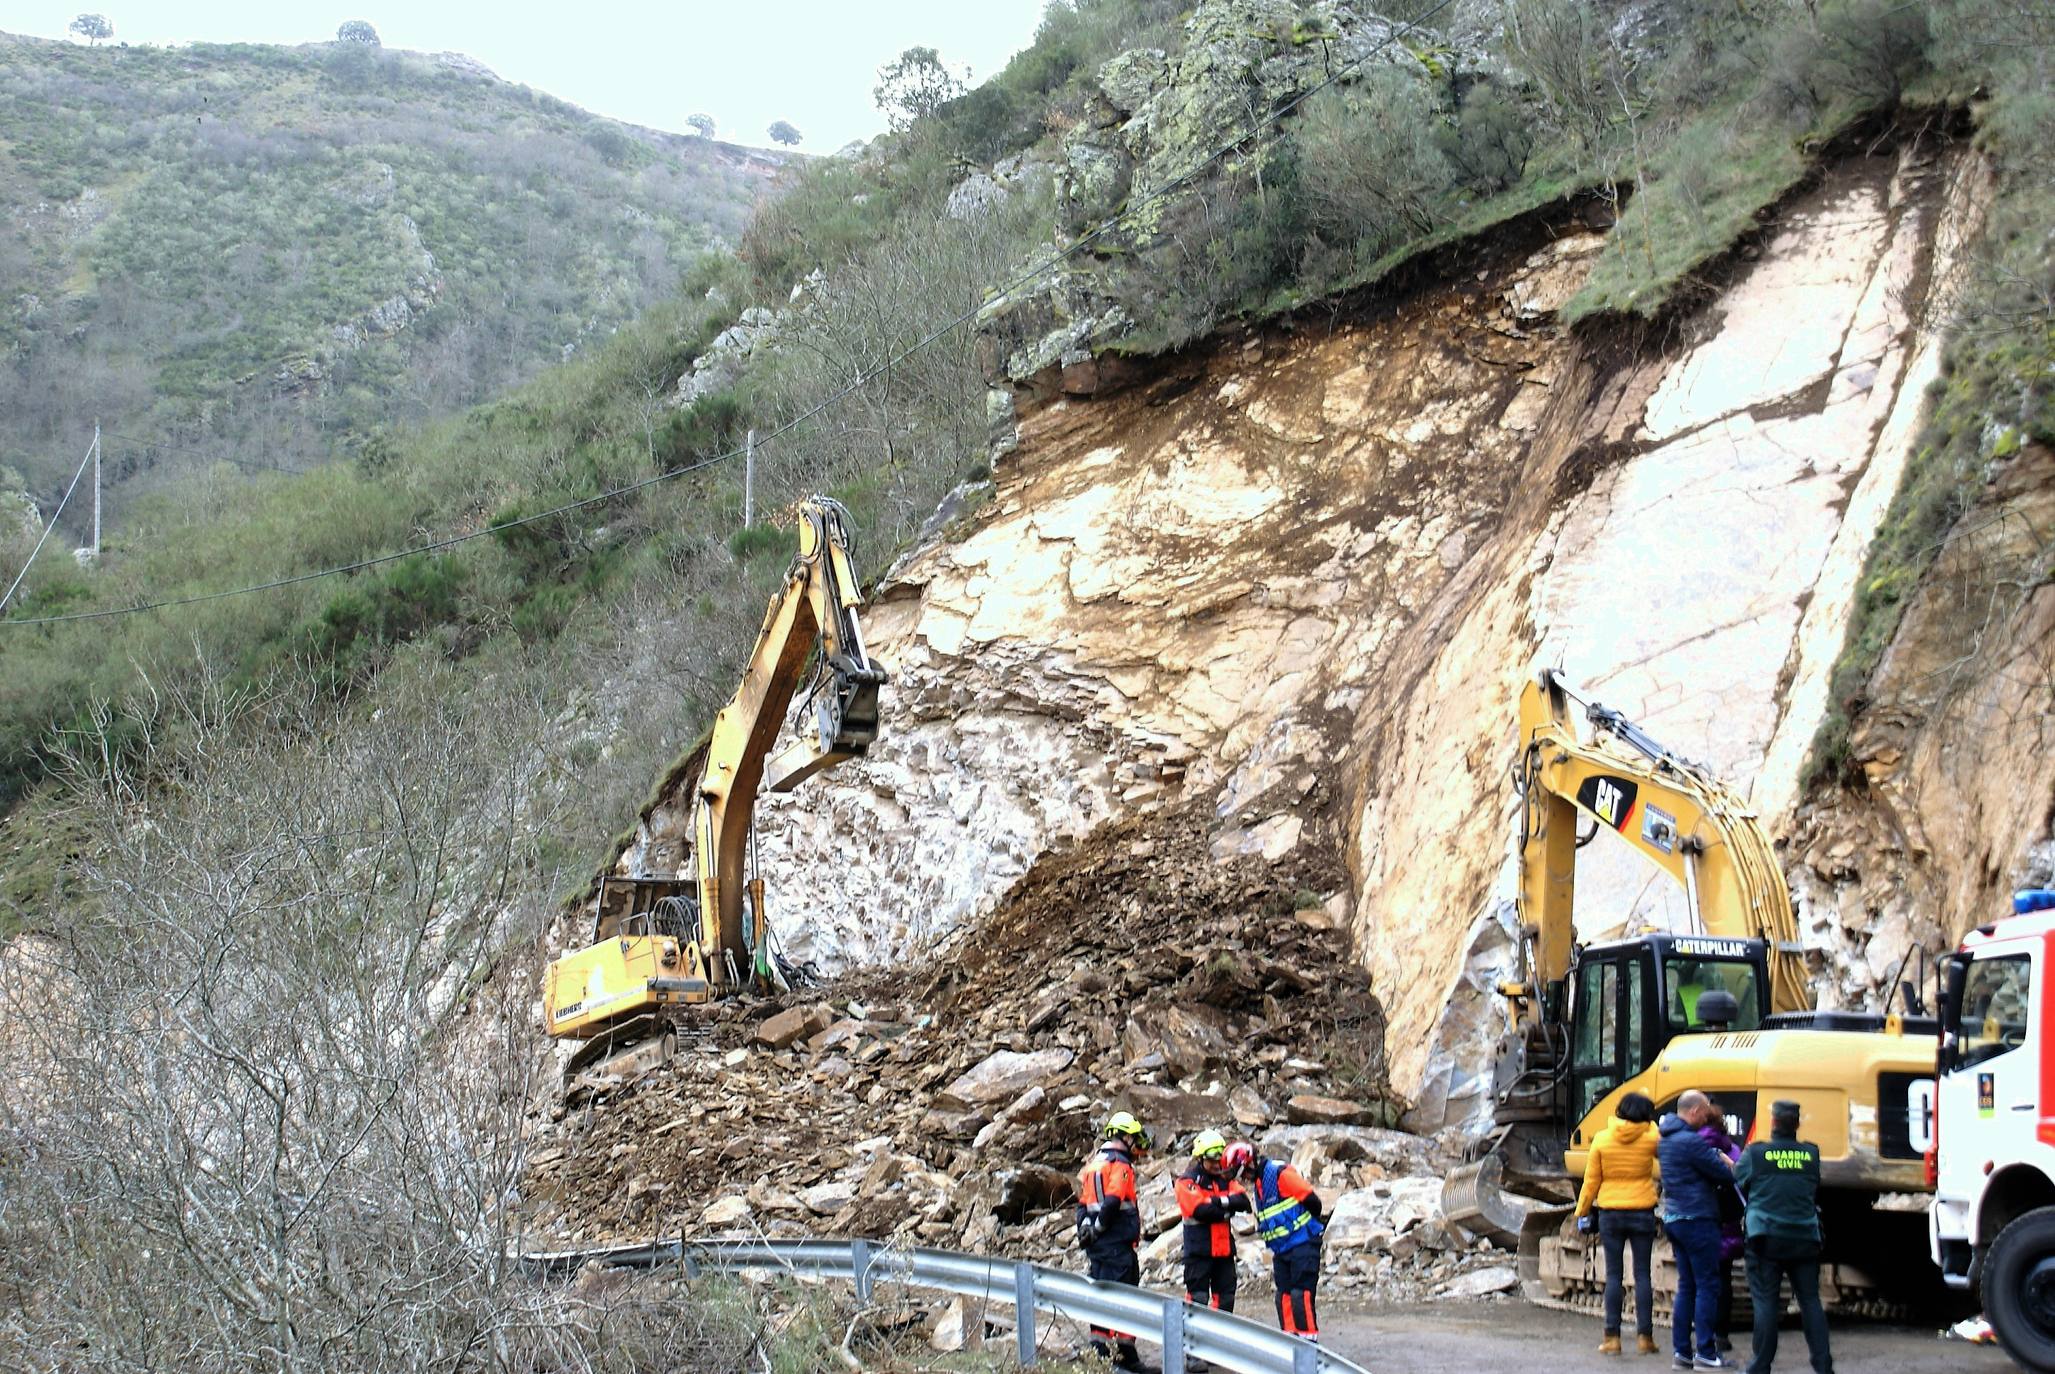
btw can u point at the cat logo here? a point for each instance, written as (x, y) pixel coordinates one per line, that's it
(1608, 798)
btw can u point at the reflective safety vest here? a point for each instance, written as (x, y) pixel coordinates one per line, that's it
(1283, 1222)
(1106, 1195)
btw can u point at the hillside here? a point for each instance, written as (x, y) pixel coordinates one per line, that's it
(265, 254)
(1236, 403)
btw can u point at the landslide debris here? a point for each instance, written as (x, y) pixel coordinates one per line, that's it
(951, 1102)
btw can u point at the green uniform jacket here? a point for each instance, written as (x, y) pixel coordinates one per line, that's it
(1780, 1177)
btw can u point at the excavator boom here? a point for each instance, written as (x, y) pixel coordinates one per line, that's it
(1680, 818)
(665, 941)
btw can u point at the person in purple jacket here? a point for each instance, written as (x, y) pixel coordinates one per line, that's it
(1717, 1010)
(1732, 1238)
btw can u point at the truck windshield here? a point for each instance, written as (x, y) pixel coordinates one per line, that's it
(1684, 980)
(1994, 1008)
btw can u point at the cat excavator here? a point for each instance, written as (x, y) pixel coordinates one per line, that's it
(1594, 1022)
(663, 943)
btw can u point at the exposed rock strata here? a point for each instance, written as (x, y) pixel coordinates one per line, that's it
(1301, 576)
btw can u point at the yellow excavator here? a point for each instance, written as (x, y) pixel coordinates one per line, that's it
(1595, 1022)
(660, 943)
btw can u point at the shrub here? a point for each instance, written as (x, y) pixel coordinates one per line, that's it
(1370, 170)
(1860, 56)
(710, 426)
(1490, 141)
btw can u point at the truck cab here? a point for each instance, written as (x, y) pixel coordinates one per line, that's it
(1992, 1224)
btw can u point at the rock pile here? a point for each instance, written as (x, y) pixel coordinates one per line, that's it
(953, 1103)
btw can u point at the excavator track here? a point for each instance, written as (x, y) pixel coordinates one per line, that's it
(1565, 1269)
(635, 1047)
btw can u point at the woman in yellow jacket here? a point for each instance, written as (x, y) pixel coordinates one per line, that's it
(1619, 1185)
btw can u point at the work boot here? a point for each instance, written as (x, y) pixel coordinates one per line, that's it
(1644, 1344)
(1130, 1359)
(1611, 1344)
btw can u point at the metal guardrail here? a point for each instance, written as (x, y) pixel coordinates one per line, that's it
(1185, 1332)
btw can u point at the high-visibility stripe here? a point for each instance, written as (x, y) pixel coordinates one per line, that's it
(1281, 1222)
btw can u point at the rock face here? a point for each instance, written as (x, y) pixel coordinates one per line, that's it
(1297, 580)
(1951, 815)
(1700, 583)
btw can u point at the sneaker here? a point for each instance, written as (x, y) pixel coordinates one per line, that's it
(1716, 1362)
(1680, 1362)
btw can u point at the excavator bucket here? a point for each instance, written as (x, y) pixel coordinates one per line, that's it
(1474, 1198)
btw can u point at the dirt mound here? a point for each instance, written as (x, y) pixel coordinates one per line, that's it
(952, 1102)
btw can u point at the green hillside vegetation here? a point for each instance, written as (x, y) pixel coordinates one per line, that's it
(269, 252)
(1365, 175)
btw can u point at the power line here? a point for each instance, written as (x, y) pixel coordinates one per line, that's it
(92, 451)
(862, 379)
(250, 464)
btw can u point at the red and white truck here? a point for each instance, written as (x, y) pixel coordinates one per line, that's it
(1992, 1151)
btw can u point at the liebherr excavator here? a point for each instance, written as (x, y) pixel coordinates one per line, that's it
(662, 943)
(1595, 1022)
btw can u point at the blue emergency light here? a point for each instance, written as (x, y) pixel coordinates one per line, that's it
(2033, 899)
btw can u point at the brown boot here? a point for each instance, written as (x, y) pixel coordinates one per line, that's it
(1611, 1344)
(1644, 1344)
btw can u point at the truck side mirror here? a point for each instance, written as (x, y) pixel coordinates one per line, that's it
(1954, 976)
(1914, 1006)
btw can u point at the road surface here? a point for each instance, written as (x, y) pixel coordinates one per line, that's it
(1515, 1336)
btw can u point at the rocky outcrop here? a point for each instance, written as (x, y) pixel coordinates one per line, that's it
(1145, 152)
(1700, 582)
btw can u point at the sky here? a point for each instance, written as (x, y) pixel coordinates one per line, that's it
(812, 62)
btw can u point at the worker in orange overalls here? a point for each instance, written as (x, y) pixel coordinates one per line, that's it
(1288, 1218)
(1208, 1195)
(1109, 1222)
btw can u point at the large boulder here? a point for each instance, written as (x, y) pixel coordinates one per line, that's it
(1309, 1110)
(793, 1024)
(1003, 1076)
(1166, 1111)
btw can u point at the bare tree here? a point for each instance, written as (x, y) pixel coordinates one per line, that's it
(1564, 46)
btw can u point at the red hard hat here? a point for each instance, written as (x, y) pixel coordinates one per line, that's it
(1240, 1157)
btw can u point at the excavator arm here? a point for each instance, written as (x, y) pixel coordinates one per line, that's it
(1595, 1022)
(1675, 814)
(812, 618)
(661, 942)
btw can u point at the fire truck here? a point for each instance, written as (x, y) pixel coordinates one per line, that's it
(1992, 1158)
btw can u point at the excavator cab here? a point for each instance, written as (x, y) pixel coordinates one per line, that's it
(1629, 999)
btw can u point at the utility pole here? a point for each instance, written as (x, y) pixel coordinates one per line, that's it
(749, 479)
(96, 489)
